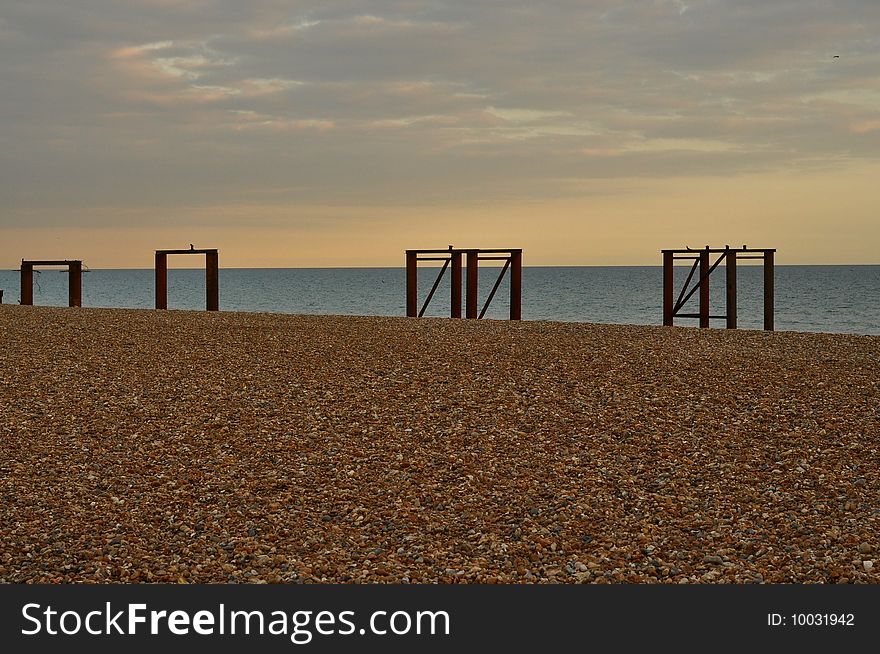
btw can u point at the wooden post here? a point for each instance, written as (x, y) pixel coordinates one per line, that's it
(27, 283)
(516, 285)
(768, 290)
(472, 283)
(212, 281)
(161, 280)
(74, 284)
(668, 290)
(412, 286)
(704, 288)
(731, 288)
(455, 295)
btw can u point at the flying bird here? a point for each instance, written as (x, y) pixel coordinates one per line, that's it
(836, 57)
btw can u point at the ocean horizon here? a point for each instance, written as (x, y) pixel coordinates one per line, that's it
(809, 298)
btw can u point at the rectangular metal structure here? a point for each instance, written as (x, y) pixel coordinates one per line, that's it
(452, 258)
(768, 290)
(161, 270)
(74, 281)
(704, 289)
(27, 283)
(74, 284)
(212, 276)
(473, 278)
(668, 284)
(701, 262)
(731, 289)
(516, 285)
(212, 280)
(412, 286)
(455, 292)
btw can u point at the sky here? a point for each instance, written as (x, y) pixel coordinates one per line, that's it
(340, 133)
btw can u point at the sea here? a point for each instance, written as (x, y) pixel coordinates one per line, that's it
(836, 299)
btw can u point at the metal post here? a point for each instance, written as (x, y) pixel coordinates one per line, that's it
(731, 288)
(516, 285)
(768, 290)
(161, 280)
(668, 262)
(74, 284)
(704, 288)
(412, 288)
(212, 281)
(27, 283)
(455, 295)
(472, 277)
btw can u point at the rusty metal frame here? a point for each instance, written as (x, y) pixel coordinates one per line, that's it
(212, 276)
(74, 282)
(452, 259)
(672, 309)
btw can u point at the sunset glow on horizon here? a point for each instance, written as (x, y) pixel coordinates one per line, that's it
(340, 133)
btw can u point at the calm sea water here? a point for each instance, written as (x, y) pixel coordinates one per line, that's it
(808, 298)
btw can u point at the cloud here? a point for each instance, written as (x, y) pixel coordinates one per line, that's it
(108, 103)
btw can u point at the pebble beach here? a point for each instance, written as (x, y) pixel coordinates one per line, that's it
(213, 447)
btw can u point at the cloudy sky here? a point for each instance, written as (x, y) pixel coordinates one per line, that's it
(339, 133)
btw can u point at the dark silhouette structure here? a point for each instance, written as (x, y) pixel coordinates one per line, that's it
(701, 259)
(452, 257)
(212, 276)
(74, 282)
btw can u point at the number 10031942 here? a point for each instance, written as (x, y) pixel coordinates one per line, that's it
(811, 620)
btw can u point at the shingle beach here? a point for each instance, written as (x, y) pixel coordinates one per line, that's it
(174, 446)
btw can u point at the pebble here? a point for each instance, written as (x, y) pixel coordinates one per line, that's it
(229, 447)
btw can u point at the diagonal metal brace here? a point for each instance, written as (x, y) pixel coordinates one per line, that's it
(434, 287)
(681, 303)
(495, 288)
